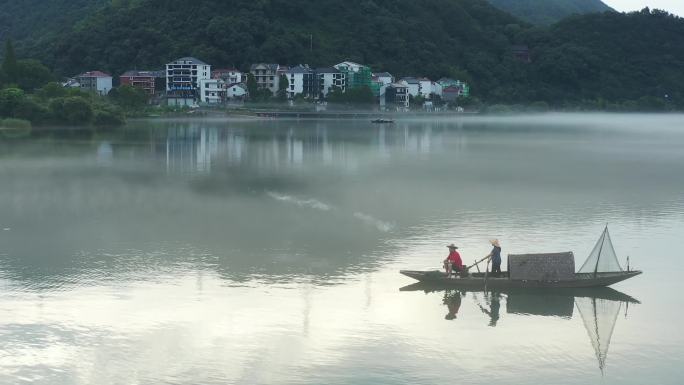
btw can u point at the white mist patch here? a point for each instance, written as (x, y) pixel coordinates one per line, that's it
(310, 203)
(383, 226)
(315, 204)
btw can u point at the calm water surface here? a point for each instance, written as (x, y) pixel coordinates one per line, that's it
(267, 252)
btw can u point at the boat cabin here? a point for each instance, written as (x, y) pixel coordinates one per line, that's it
(542, 267)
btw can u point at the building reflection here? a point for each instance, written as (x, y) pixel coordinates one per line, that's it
(196, 147)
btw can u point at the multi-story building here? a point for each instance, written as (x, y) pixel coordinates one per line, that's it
(357, 75)
(229, 75)
(425, 87)
(145, 80)
(384, 77)
(213, 91)
(436, 89)
(413, 85)
(95, 81)
(328, 79)
(183, 78)
(397, 96)
(266, 76)
(302, 81)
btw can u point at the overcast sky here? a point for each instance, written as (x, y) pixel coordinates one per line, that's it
(672, 6)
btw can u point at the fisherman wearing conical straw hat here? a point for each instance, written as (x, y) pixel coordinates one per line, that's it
(495, 255)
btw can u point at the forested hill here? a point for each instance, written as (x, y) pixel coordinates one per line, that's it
(428, 37)
(549, 11)
(20, 19)
(596, 59)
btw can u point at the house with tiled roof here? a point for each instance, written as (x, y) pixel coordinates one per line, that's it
(413, 85)
(267, 76)
(229, 75)
(145, 80)
(95, 81)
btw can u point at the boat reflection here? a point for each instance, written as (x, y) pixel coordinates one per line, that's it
(598, 308)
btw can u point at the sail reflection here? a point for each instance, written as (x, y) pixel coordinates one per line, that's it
(597, 307)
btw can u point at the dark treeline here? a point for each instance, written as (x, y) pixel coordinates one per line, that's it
(608, 61)
(548, 11)
(29, 96)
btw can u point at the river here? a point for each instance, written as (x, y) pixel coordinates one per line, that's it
(229, 251)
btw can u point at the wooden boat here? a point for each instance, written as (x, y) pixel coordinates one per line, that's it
(550, 270)
(480, 281)
(382, 121)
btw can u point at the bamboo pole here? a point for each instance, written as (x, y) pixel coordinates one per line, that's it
(477, 263)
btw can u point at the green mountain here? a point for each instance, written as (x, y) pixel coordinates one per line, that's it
(595, 60)
(430, 37)
(20, 19)
(549, 11)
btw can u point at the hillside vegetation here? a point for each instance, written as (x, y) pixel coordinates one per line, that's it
(549, 11)
(607, 60)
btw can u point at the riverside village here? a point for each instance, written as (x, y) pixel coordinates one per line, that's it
(189, 82)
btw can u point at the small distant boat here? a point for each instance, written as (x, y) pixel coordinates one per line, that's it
(551, 270)
(382, 121)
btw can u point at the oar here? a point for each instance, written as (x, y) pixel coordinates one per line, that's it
(477, 263)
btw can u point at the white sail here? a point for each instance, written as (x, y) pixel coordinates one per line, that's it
(602, 257)
(599, 316)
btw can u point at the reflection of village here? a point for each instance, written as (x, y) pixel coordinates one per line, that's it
(598, 308)
(193, 147)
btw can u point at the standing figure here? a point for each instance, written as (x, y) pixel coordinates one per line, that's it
(496, 257)
(453, 261)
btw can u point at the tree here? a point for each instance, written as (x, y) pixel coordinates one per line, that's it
(10, 100)
(52, 90)
(72, 110)
(283, 86)
(9, 63)
(129, 97)
(251, 85)
(32, 74)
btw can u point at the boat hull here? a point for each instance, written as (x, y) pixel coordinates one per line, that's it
(478, 281)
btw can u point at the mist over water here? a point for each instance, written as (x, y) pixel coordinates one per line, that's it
(267, 252)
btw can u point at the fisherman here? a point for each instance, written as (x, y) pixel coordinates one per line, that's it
(453, 261)
(495, 255)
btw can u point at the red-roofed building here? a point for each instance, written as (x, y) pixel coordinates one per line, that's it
(145, 80)
(95, 81)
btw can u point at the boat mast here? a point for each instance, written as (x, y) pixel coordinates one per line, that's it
(598, 258)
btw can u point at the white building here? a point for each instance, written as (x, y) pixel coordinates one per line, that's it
(95, 81)
(384, 77)
(301, 81)
(412, 84)
(212, 91)
(236, 91)
(183, 78)
(328, 79)
(425, 87)
(229, 75)
(436, 89)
